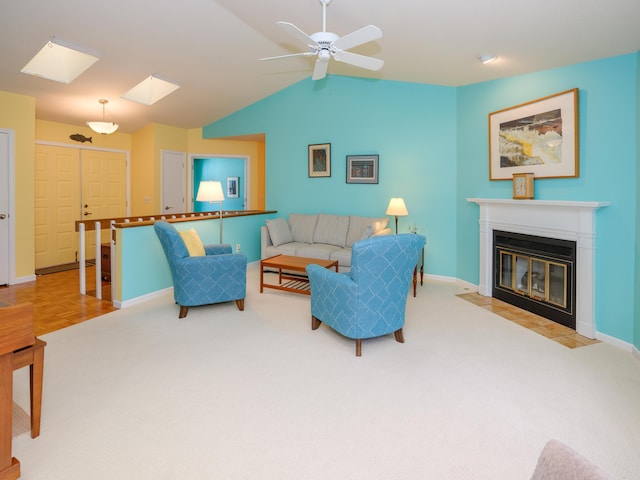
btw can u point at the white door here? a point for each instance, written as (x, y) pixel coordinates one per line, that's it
(57, 205)
(5, 186)
(174, 182)
(103, 191)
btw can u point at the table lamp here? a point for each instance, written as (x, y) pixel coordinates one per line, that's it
(397, 208)
(211, 191)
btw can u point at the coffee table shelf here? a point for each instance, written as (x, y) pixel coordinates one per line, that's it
(289, 282)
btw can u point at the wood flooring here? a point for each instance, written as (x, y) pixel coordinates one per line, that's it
(56, 298)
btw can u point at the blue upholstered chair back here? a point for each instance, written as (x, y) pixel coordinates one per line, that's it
(370, 300)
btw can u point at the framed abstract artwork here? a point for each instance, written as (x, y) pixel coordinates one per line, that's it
(320, 160)
(232, 187)
(362, 169)
(540, 136)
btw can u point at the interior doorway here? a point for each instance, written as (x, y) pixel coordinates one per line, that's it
(74, 184)
(231, 172)
(6, 200)
(174, 182)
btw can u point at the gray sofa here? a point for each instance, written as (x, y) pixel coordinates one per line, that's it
(323, 236)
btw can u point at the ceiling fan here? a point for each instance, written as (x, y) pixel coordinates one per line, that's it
(325, 45)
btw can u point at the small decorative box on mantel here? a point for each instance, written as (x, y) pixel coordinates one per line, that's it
(523, 186)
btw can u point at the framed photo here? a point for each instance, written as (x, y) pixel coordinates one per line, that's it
(320, 160)
(540, 136)
(362, 169)
(232, 187)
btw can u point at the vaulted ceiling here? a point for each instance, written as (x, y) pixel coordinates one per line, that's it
(212, 47)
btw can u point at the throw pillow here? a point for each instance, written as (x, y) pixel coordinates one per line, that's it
(193, 243)
(364, 227)
(279, 231)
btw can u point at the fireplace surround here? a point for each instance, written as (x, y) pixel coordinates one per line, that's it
(564, 220)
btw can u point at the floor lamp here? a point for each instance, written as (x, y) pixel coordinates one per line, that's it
(211, 191)
(398, 209)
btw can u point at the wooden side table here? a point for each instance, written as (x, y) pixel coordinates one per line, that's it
(16, 332)
(415, 273)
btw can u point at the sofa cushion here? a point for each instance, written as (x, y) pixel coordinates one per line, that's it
(302, 227)
(193, 243)
(279, 231)
(364, 227)
(343, 256)
(331, 229)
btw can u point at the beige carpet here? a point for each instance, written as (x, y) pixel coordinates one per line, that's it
(222, 394)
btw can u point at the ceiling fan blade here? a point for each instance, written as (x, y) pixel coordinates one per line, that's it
(361, 61)
(302, 54)
(364, 35)
(320, 70)
(299, 34)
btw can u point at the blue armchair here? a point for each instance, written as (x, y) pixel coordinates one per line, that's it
(220, 276)
(370, 300)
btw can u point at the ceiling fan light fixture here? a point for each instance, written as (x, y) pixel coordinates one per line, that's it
(487, 58)
(61, 61)
(103, 127)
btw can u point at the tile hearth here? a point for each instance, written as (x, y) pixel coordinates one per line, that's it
(552, 330)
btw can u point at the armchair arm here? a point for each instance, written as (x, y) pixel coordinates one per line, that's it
(217, 249)
(210, 279)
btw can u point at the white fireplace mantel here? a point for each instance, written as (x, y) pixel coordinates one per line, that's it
(565, 220)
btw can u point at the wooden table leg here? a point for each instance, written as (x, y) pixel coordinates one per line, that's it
(36, 373)
(415, 279)
(9, 466)
(261, 277)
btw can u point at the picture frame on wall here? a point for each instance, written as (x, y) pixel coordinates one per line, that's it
(319, 160)
(232, 187)
(362, 168)
(540, 137)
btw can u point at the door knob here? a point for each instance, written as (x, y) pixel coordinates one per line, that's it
(86, 213)
(2, 216)
(167, 208)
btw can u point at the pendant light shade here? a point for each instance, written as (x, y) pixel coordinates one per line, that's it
(103, 127)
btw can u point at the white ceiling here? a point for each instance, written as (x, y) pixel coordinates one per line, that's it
(212, 47)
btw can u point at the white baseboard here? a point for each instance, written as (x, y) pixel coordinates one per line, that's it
(628, 347)
(28, 278)
(635, 352)
(143, 298)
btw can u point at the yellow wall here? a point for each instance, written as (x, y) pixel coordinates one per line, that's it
(254, 150)
(17, 113)
(59, 133)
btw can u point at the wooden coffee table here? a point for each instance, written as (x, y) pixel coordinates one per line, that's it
(295, 284)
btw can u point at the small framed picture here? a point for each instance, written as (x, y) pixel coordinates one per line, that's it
(362, 169)
(320, 160)
(232, 187)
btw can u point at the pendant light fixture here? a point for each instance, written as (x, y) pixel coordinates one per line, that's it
(103, 127)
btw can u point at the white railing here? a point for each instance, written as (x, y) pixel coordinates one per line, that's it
(102, 224)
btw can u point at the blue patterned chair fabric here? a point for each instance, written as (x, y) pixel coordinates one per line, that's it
(220, 276)
(370, 300)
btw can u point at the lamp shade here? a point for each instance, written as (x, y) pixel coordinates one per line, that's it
(104, 128)
(210, 191)
(397, 207)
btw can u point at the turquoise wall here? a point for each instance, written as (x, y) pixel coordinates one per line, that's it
(608, 158)
(410, 126)
(219, 169)
(636, 340)
(144, 268)
(433, 147)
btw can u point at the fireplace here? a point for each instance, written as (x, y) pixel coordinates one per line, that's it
(560, 220)
(536, 274)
